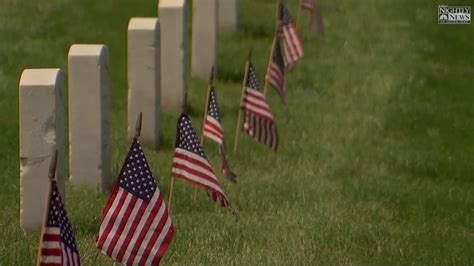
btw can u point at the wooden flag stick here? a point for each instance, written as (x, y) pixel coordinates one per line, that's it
(171, 194)
(238, 126)
(209, 86)
(172, 177)
(272, 50)
(51, 175)
(298, 14)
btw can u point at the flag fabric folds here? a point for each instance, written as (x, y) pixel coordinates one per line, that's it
(258, 119)
(58, 245)
(212, 123)
(293, 45)
(136, 228)
(276, 72)
(213, 130)
(190, 162)
(316, 22)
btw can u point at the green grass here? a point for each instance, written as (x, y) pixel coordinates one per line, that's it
(375, 161)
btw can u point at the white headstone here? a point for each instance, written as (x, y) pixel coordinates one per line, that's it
(89, 116)
(41, 131)
(204, 38)
(174, 47)
(144, 79)
(228, 14)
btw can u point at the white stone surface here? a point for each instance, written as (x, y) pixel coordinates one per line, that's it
(228, 17)
(42, 129)
(204, 38)
(174, 53)
(144, 79)
(89, 116)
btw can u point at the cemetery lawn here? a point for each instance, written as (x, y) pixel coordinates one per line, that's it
(375, 162)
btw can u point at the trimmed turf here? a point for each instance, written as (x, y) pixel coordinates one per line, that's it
(374, 165)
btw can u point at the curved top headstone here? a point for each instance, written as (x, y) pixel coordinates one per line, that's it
(96, 50)
(172, 3)
(38, 77)
(143, 24)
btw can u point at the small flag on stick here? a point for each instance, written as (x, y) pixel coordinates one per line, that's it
(190, 163)
(57, 244)
(316, 22)
(276, 72)
(212, 123)
(293, 45)
(213, 130)
(258, 120)
(136, 228)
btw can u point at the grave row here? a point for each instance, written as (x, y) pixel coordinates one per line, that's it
(157, 77)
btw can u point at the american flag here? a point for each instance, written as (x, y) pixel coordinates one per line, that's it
(136, 228)
(212, 124)
(316, 23)
(258, 121)
(293, 45)
(190, 162)
(276, 72)
(213, 130)
(58, 245)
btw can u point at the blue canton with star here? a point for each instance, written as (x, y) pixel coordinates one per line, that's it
(136, 176)
(212, 108)
(285, 16)
(278, 56)
(186, 137)
(57, 217)
(252, 81)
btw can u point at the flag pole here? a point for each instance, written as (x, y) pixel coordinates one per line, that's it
(171, 194)
(239, 119)
(272, 50)
(209, 86)
(51, 175)
(265, 86)
(298, 14)
(170, 197)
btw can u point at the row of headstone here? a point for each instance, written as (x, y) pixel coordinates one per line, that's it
(157, 77)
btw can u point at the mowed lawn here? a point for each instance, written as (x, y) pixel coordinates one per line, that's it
(375, 161)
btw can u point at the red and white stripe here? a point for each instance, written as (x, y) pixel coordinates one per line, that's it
(292, 44)
(258, 119)
(213, 129)
(69, 257)
(197, 170)
(54, 252)
(51, 253)
(254, 101)
(262, 130)
(276, 78)
(134, 231)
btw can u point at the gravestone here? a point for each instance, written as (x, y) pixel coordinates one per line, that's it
(41, 114)
(89, 116)
(144, 78)
(204, 38)
(173, 27)
(228, 17)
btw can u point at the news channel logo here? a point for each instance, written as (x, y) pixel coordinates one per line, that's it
(454, 14)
